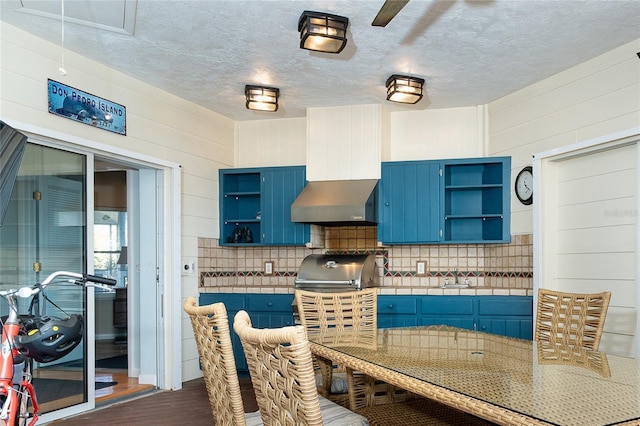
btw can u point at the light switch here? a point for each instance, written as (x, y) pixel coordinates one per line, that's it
(421, 267)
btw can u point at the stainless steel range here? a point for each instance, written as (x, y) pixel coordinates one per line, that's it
(337, 272)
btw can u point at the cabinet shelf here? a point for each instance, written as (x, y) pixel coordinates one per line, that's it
(473, 216)
(238, 221)
(242, 194)
(471, 187)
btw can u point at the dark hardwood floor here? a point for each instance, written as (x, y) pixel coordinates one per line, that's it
(189, 405)
(130, 403)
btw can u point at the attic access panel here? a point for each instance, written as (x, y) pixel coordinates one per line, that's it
(111, 15)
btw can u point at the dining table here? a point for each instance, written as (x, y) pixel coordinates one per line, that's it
(505, 380)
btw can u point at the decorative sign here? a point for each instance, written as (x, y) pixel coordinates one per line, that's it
(86, 108)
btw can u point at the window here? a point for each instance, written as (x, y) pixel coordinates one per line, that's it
(110, 242)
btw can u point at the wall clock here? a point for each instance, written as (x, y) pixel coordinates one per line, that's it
(524, 186)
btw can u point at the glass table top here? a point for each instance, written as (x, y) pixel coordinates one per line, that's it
(559, 385)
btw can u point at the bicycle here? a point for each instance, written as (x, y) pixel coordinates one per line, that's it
(34, 337)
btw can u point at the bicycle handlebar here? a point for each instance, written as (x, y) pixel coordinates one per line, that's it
(100, 280)
(77, 278)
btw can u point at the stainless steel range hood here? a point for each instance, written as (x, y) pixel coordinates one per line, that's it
(337, 202)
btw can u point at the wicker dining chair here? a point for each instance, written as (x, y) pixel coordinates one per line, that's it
(281, 371)
(350, 319)
(213, 339)
(571, 319)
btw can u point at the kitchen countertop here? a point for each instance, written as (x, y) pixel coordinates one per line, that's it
(415, 291)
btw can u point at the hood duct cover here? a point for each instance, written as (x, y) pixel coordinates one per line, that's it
(337, 202)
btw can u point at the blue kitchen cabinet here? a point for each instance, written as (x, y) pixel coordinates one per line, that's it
(233, 303)
(476, 200)
(280, 187)
(265, 311)
(408, 209)
(270, 310)
(504, 315)
(456, 311)
(255, 206)
(445, 201)
(397, 311)
(513, 319)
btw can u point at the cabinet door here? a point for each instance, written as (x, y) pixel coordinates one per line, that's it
(506, 315)
(409, 207)
(397, 311)
(456, 311)
(507, 326)
(280, 187)
(233, 303)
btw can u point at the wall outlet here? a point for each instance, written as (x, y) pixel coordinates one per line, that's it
(268, 268)
(421, 267)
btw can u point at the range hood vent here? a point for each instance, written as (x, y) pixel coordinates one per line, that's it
(337, 202)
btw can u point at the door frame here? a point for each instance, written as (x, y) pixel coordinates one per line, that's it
(616, 139)
(168, 341)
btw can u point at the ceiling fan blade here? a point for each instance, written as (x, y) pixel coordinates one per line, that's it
(389, 9)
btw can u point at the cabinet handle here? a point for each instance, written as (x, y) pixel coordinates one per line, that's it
(390, 306)
(484, 327)
(386, 204)
(270, 304)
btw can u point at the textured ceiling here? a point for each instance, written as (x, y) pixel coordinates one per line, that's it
(469, 52)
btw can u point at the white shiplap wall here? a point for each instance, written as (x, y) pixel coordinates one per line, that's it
(437, 134)
(159, 125)
(344, 142)
(280, 142)
(404, 136)
(598, 97)
(574, 251)
(589, 237)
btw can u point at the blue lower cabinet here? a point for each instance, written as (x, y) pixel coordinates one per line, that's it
(265, 310)
(397, 311)
(462, 322)
(511, 327)
(513, 319)
(505, 315)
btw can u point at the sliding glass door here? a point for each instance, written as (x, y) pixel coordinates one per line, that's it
(44, 230)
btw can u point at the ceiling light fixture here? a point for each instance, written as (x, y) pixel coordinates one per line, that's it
(322, 32)
(404, 89)
(262, 98)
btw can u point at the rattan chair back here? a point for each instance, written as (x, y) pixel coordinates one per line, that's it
(213, 339)
(571, 319)
(345, 318)
(281, 371)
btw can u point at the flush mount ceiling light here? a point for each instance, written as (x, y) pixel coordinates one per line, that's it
(322, 32)
(404, 89)
(262, 98)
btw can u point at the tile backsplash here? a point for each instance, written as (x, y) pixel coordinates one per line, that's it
(489, 268)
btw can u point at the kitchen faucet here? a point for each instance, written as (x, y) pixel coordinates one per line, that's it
(455, 276)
